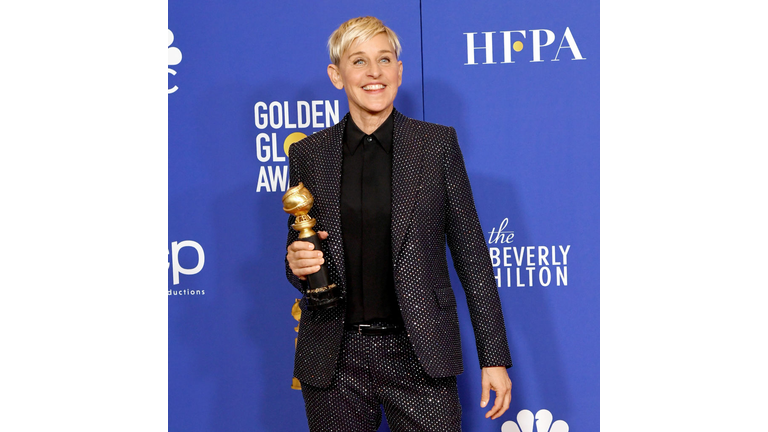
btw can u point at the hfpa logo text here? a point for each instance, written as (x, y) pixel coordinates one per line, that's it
(516, 41)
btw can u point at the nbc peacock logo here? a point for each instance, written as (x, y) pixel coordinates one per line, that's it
(174, 58)
(543, 420)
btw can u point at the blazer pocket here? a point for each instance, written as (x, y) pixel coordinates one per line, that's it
(445, 297)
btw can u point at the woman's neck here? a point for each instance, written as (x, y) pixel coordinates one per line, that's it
(369, 122)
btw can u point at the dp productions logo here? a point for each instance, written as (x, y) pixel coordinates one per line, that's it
(543, 420)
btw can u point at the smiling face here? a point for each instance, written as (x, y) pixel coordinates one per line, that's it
(370, 74)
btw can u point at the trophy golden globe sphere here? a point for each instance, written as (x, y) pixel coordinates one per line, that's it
(297, 200)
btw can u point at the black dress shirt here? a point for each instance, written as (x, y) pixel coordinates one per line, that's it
(366, 217)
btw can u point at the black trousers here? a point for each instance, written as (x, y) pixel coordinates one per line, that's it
(375, 371)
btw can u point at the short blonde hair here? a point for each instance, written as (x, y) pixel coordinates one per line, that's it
(359, 30)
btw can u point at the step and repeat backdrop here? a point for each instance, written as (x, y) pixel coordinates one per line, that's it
(519, 80)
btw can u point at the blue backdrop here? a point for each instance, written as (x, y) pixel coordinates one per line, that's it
(520, 83)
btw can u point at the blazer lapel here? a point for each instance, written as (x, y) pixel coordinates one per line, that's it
(407, 176)
(330, 174)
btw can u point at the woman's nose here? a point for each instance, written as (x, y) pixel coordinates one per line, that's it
(375, 70)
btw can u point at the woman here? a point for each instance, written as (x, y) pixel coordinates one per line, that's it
(389, 191)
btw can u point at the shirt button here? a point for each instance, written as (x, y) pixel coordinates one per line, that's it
(369, 139)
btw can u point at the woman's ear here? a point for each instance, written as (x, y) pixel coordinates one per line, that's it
(335, 75)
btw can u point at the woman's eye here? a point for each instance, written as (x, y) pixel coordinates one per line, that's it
(384, 60)
(358, 62)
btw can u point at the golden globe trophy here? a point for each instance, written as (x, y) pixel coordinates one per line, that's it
(322, 294)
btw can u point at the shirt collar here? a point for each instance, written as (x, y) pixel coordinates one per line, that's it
(383, 135)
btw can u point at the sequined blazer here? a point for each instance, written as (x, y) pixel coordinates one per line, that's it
(431, 202)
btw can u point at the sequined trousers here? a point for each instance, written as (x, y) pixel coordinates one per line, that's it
(382, 371)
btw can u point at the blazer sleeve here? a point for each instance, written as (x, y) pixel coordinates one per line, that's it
(472, 261)
(294, 173)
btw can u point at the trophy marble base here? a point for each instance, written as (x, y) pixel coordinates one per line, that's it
(324, 299)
